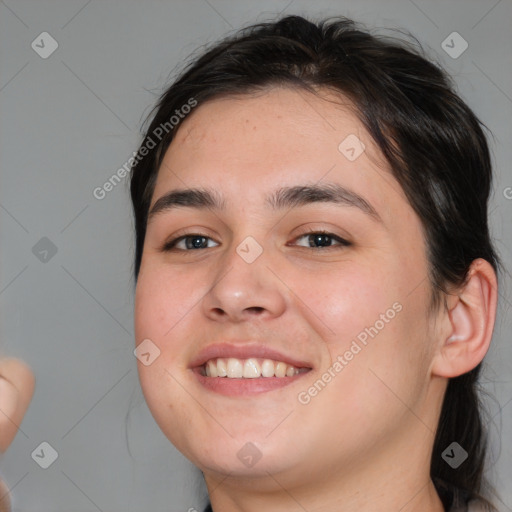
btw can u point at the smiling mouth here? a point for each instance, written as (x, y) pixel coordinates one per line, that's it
(252, 368)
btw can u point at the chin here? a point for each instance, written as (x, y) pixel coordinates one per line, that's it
(238, 456)
(235, 469)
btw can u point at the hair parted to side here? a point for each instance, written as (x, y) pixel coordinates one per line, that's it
(434, 144)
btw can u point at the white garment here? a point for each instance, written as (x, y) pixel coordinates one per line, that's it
(476, 506)
(472, 506)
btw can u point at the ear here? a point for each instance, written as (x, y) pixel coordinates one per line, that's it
(467, 324)
(16, 390)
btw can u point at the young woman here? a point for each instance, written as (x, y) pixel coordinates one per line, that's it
(316, 285)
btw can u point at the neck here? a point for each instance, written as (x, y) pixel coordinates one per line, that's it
(394, 475)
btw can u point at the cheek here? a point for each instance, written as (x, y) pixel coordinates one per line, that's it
(162, 298)
(159, 307)
(370, 322)
(346, 300)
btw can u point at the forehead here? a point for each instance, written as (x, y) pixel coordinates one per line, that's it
(250, 144)
(278, 118)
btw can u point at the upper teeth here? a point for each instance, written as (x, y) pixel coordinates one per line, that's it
(248, 368)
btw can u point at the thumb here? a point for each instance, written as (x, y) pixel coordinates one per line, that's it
(5, 499)
(16, 389)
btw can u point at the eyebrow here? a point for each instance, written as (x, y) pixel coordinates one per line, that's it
(284, 197)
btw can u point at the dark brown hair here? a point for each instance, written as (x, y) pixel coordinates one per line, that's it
(433, 142)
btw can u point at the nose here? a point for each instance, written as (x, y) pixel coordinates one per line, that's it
(242, 290)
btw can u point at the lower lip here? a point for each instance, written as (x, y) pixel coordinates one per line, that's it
(243, 387)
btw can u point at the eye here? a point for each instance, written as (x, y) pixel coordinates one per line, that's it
(315, 239)
(318, 239)
(187, 242)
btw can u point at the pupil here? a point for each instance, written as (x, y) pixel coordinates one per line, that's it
(196, 242)
(319, 238)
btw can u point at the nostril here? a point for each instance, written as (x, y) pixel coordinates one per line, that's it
(256, 309)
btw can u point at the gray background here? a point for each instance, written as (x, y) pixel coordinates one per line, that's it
(68, 122)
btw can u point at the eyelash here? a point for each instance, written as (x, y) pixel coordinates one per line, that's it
(170, 245)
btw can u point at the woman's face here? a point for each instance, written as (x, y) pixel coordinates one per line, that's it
(312, 258)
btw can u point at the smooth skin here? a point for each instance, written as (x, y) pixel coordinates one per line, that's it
(367, 436)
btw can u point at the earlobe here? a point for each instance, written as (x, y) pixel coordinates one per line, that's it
(470, 321)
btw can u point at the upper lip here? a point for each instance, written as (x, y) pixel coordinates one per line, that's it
(245, 351)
